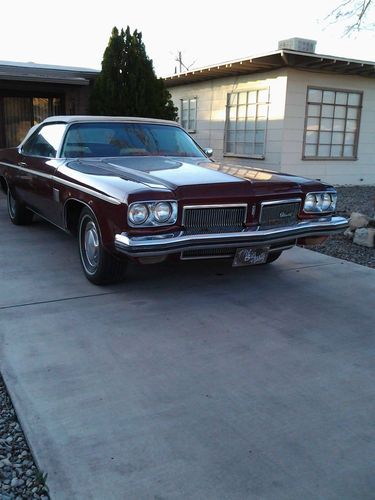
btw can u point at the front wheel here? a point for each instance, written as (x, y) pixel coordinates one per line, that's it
(18, 213)
(99, 266)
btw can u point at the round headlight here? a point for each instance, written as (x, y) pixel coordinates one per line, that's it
(138, 213)
(162, 211)
(326, 202)
(310, 203)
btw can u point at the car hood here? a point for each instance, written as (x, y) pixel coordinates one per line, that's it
(175, 174)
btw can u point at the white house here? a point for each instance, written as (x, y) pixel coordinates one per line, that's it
(291, 110)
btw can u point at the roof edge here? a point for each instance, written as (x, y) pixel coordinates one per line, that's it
(54, 67)
(212, 71)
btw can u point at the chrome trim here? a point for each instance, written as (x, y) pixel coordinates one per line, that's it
(222, 205)
(56, 195)
(174, 205)
(331, 191)
(80, 241)
(207, 257)
(62, 143)
(110, 199)
(281, 202)
(27, 170)
(101, 196)
(7, 164)
(91, 244)
(278, 202)
(219, 205)
(169, 243)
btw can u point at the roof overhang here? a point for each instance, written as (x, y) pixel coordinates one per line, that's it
(285, 58)
(31, 72)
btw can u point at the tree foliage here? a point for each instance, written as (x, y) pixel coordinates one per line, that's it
(127, 84)
(355, 13)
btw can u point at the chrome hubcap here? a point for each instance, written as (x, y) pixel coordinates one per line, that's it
(91, 243)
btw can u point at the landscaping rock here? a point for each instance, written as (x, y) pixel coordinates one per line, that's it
(19, 477)
(350, 199)
(364, 237)
(348, 233)
(358, 220)
(14, 483)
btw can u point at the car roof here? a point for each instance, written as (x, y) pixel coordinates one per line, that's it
(94, 119)
(89, 118)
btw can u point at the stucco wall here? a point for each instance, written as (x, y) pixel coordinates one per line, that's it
(286, 121)
(360, 171)
(211, 109)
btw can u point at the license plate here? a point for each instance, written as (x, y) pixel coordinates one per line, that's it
(250, 256)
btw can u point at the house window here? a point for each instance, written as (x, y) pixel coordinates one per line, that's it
(246, 123)
(332, 124)
(22, 112)
(189, 114)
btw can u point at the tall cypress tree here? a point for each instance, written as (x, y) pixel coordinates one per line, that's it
(127, 84)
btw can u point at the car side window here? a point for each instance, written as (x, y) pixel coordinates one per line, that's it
(45, 142)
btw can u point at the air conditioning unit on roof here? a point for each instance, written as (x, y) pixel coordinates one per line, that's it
(298, 44)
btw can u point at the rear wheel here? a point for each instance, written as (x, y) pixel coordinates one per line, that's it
(99, 266)
(18, 213)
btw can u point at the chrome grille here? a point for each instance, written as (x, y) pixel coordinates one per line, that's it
(283, 213)
(214, 219)
(208, 253)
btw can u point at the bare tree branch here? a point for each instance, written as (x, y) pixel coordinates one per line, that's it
(355, 12)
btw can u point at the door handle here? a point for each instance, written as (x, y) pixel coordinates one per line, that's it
(22, 164)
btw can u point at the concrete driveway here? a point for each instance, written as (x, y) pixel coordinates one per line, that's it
(191, 381)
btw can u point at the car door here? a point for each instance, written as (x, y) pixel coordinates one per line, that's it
(37, 165)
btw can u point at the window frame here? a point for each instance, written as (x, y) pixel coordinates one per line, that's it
(347, 106)
(188, 129)
(36, 133)
(257, 103)
(109, 122)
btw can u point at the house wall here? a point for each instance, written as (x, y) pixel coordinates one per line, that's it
(360, 171)
(211, 112)
(286, 120)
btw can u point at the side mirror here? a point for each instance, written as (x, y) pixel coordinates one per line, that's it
(209, 152)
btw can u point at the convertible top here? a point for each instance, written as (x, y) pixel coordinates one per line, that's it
(89, 118)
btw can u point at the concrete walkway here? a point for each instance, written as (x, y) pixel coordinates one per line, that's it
(190, 381)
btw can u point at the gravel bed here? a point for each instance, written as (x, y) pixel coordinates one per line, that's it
(19, 476)
(351, 199)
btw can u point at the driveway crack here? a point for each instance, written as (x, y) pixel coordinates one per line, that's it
(40, 302)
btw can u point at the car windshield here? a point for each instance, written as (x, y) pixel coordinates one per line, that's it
(106, 139)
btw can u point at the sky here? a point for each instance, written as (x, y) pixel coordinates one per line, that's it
(76, 32)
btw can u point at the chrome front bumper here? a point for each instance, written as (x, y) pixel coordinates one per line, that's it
(164, 244)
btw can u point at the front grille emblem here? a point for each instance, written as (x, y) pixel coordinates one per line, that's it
(283, 215)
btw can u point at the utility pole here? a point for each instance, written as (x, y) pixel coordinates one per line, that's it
(179, 60)
(181, 64)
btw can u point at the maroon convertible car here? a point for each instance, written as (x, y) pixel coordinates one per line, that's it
(142, 189)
